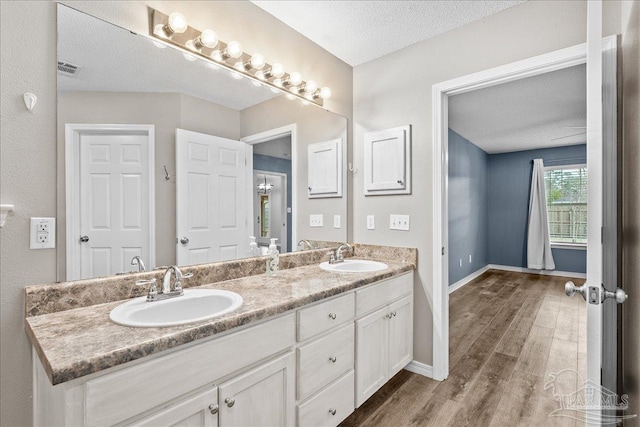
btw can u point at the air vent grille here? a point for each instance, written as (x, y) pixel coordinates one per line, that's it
(68, 69)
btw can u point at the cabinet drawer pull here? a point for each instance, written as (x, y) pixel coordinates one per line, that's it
(332, 411)
(333, 316)
(213, 408)
(230, 402)
(333, 359)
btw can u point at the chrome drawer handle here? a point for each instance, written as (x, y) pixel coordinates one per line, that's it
(332, 316)
(213, 408)
(332, 411)
(230, 402)
(333, 359)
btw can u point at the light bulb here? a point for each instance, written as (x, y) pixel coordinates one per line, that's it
(190, 45)
(233, 50)
(216, 55)
(260, 75)
(208, 38)
(239, 66)
(310, 86)
(325, 93)
(293, 89)
(177, 23)
(295, 78)
(277, 82)
(277, 70)
(257, 62)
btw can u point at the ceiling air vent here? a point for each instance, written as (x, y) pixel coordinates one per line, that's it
(67, 69)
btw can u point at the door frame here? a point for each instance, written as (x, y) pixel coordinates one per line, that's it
(283, 178)
(72, 187)
(529, 67)
(265, 136)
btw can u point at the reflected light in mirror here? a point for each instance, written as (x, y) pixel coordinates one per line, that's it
(233, 50)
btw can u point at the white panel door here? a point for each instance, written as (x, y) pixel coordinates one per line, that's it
(324, 170)
(262, 397)
(387, 158)
(200, 410)
(400, 335)
(114, 207)
(210, 198)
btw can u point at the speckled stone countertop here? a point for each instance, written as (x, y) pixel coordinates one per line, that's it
(81, 341)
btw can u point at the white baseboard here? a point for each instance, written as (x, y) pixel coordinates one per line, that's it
(420, 369)
(543, 272)
(460, 283)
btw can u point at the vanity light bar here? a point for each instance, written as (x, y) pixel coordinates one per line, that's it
(173, 30)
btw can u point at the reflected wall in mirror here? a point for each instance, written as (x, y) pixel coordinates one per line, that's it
(161, 157)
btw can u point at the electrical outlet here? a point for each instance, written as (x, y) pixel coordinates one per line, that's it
(315, 220)
(371, 222)
(399, 222)
(43, 233)
(336, 221)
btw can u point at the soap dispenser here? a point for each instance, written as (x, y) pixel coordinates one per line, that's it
(254, 251)
(273, 258)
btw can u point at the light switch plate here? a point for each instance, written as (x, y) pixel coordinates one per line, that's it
(43, 233)
(371, 222)
(315, 220)
(399, 222)
(336, 221)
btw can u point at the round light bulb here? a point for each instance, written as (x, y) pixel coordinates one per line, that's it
(216, 55)
(260, 75)
(277, 70)
(293, 89)
(190, 45)
(177, 23)
(310, 87)
(208, 38)
(277, 82)
(325, 93)
(257, 61)
(295, 78)
(238, 66)
(234, 49)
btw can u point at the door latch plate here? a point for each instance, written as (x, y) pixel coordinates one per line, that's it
(594, 295)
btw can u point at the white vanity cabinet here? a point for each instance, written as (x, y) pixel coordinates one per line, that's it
(384, 333)
(200, 410)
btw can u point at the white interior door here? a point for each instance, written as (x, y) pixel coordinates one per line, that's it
(211, 201)
(110, 201)
(277, 218)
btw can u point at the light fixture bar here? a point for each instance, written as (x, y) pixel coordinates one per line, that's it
(220, 56)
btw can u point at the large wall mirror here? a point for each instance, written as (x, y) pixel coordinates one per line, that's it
(169, 158)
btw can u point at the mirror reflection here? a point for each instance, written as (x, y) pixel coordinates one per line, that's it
(175, 161)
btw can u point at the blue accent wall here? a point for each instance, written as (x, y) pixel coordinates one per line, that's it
(276, 164)
(509, 184)
(488, 201)
(468, 200)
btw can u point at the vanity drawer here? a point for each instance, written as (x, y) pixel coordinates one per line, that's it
(331, 406)
(324, 316)
(374, 296)
(316, 365)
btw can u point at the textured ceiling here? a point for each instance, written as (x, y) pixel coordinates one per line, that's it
(360, 31)
(525, 114)
(115, 60)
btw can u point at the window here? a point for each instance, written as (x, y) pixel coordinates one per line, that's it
(566, 188)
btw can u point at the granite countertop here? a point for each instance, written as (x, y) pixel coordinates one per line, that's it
(82, 341)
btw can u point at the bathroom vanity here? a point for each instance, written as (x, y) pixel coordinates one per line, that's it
(306, 348)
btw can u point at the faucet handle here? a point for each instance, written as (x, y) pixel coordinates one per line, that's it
(153, 289)
(332, 257)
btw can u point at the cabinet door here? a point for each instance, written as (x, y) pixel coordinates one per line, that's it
(200, 410)
(371, 354)
(263, 396)
(325, 169)
(387, 161)
(400, 334)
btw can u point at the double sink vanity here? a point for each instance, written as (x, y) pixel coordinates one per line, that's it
(304, 347)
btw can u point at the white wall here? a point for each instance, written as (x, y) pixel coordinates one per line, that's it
(28, 141)
(395, 90)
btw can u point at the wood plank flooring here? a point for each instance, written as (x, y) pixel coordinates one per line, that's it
(507, 332)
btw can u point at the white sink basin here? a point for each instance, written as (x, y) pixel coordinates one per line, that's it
(196, 305)
(354, 266)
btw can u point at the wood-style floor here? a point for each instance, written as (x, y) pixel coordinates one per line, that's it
(507, 333)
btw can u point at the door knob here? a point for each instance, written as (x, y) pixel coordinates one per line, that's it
(84, 239)
(213, 408)
(230, 402)
(570, 289)
(619, 295)
(184, 240)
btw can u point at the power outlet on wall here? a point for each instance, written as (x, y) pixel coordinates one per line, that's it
(371, 222)
(43, 233)
(315, 220)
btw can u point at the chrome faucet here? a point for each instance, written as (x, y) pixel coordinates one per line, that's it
(138, 261)
(337, 256)
(303, 243)
(167, 290)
